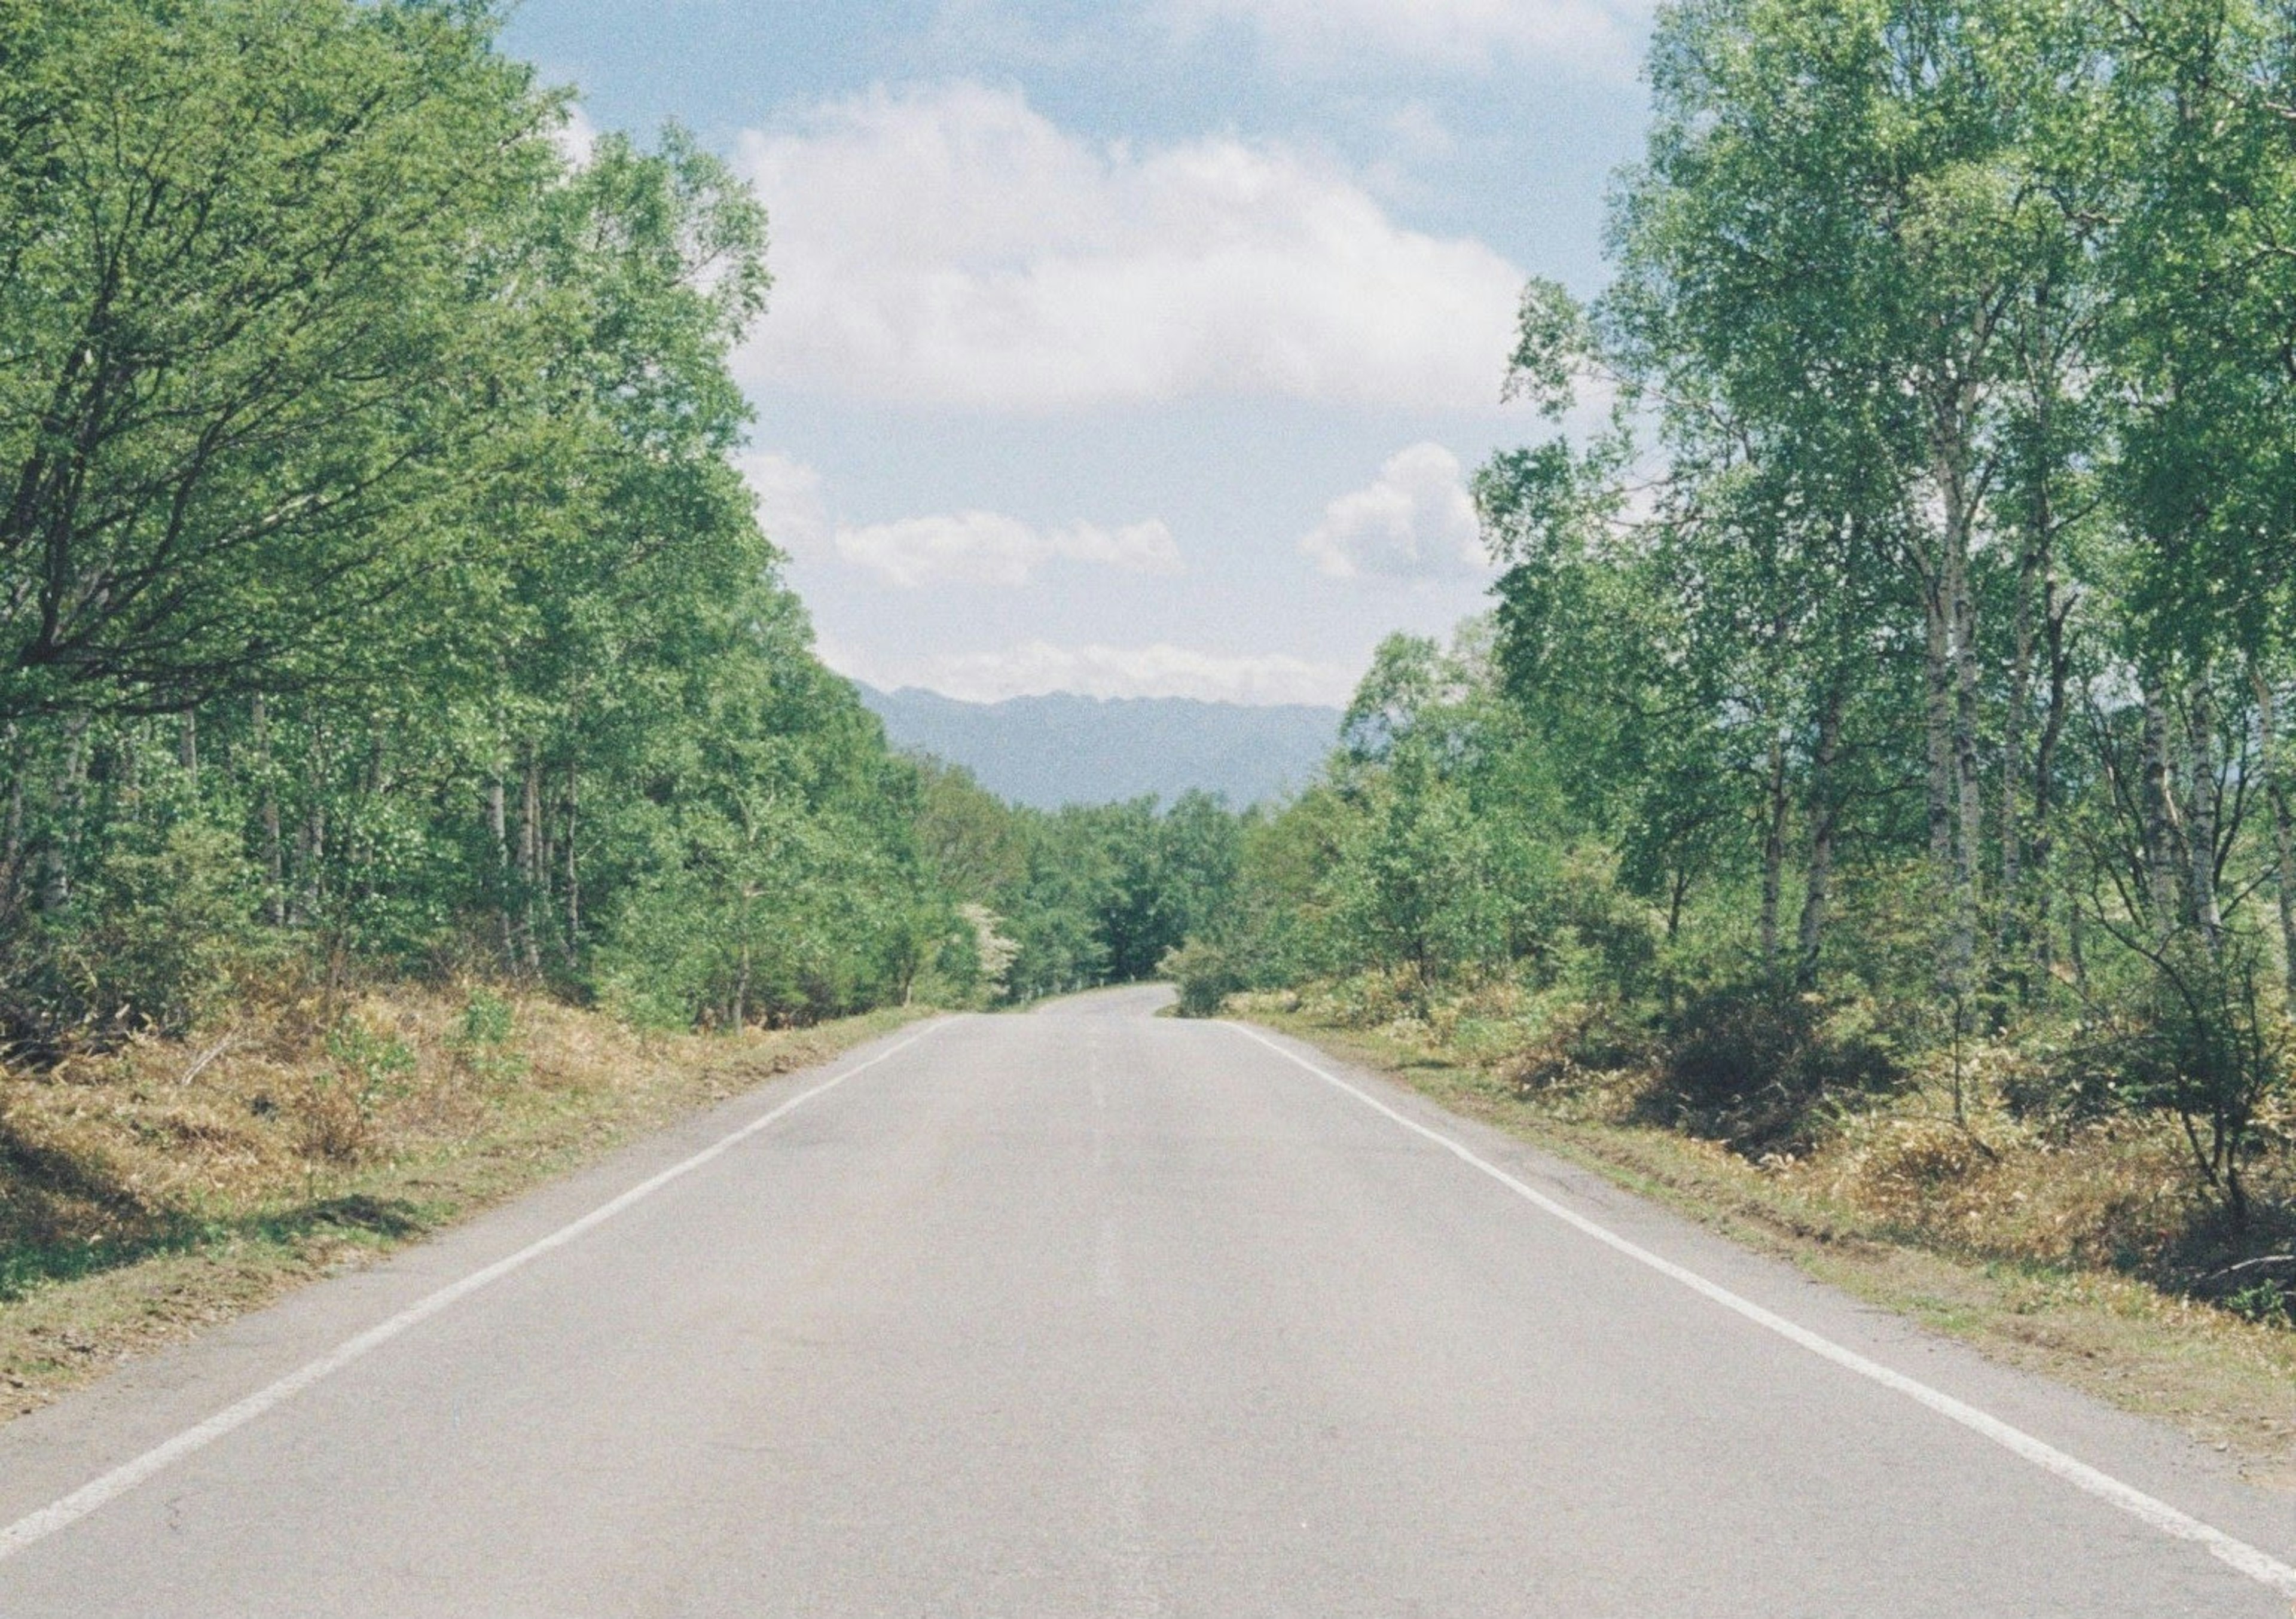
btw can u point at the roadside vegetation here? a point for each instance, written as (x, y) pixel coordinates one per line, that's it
(1877, 762)
(154, 1189)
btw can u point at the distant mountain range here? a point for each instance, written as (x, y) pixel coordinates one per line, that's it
(1048, 751)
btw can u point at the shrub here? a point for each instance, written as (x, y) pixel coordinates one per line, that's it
(1579, 1037)
(1752, 1063)
(2208, 1045)
(1206, 974)
(365, 1070)
(481, 1043)
(151, 940)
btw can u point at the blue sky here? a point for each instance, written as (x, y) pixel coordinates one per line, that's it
(1140, 348)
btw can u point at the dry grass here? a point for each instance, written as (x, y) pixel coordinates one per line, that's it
(2018, 1240)
(150, 1190)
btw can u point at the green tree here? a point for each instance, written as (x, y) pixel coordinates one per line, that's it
(261, 317)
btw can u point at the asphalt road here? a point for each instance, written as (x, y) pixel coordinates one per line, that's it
(1094, 1313)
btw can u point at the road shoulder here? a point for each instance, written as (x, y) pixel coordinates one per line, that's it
(2226, 1385)
(595, 1090)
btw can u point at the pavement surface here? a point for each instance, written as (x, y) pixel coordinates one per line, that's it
(1091, 1312)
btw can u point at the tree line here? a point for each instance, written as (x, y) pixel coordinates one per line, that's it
(1909, 662)
(377, 592)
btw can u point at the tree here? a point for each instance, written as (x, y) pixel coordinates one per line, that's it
(1846, 217)
(263, 314)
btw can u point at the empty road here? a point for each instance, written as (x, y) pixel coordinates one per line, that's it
(1089, 1313)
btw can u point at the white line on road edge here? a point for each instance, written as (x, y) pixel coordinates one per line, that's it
(89, 1497)
(2256, 1565)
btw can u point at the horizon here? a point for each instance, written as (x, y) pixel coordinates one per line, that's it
(1085, 697)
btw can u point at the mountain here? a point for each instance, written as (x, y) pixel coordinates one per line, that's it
(1061, 749)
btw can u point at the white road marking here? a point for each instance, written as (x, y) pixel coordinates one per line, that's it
(2257, 1565)
(37, 1526)
(1108, 1274)
(1123, 1528)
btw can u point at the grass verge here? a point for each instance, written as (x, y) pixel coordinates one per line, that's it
(2227, 1382)
(150, 1192)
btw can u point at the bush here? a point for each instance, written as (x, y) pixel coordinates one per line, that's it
(1579, 1037)
(1751, 1065)
(2209, 1044)
(151, 940)
(482, 1043)
(365, 1070)
(1206, 974)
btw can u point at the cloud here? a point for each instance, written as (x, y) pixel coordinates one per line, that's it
(790, 508)
(1094, 670)
(984, 548)
(962, 548)
(952, 245)
(1416, 522)
(576, 137)
(1357, 36)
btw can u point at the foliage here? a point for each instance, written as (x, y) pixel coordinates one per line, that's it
(377, 588)
(1754, 1065)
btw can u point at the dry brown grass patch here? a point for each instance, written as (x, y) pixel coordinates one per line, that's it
(152, 1188)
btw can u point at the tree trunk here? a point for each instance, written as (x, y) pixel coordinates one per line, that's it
(2201, 821)
(2012, 906)
(1938, 669)
(2158, 832)
(2074, 952)
(187, 746)
(1817, 885)
(529, 860)
(311, 851)
(127, 768)
(573, 868)
(1969, 788)
(2043, 852)
(2284, 823)
(11, 850)
(70, 799)
(311, 842)
(274, 855)
(498, 832)
(1773, 854)
(2024, 842)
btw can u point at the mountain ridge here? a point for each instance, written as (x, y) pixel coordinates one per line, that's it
(1062, 748)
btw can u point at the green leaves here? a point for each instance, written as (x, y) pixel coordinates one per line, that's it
(260, 324)
(1555, 346)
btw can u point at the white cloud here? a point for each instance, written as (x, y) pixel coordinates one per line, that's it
(953, 246)
(576, 138)
(1158, 670)
(985, 548)
(790, 508)
(1601, 36)
(1417, 521)
(962, 548)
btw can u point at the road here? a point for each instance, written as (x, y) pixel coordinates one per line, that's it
(1089, 1313)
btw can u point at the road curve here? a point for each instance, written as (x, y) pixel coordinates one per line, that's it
(1090, 1312)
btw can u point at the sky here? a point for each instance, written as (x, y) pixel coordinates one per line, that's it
(1136, 347)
